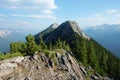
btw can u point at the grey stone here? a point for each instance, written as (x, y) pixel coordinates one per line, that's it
(28, 78)
(38, 67)
(83, 70)
(94, 77)
(43, 57)
(11, 78)
(50, 62)
(35, 57)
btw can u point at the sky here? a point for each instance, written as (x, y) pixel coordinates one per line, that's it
(36, 15)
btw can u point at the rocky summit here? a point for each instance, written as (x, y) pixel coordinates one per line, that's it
(64, 31)
(41, 67)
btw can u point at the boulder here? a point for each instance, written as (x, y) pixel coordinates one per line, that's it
(7, 68)
(18, 59)
(28, 78)
(35, 57)
(38, 67)
(50, 62)
(83, 70)
(94, 77)
(43, 57)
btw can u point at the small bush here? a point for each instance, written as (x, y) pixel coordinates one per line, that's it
(9, 55)
(47, 52)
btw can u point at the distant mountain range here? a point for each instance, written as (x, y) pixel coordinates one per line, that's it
(107, 35)
(8, 35)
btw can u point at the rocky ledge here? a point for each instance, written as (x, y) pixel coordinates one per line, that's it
(42, 67)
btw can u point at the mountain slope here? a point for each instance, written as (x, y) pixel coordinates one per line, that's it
(85, 49)
(107, 35)
(46, 31)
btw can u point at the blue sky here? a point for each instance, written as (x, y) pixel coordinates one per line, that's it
(37, 15)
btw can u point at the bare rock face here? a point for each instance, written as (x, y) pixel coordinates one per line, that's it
(41, 67)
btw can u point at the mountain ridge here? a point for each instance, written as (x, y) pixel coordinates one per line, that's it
(85, 48)
(64, 30)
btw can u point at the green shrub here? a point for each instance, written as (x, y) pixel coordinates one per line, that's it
(53, 57)
(47, 52)
(9, 55)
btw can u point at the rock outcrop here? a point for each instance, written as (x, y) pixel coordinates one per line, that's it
(41, 67)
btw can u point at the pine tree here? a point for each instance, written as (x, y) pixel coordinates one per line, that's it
(42, 44)
(50, 46)
(103, 62)
(31, 45)
(92, 59)
(59, 43)
(11, 47)
(83, 51)
(24, 48)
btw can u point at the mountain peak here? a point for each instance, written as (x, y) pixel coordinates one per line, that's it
(65, 31)
(72, 25)
(54, 25)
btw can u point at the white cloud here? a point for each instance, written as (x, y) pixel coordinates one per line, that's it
(1, 19)
(8, 6)
(18, 15)
(101, 18)
(118, 15)
(41, 5)
(48, 12)
(14, 0)
(92, 21)
(23, 23)
(2, 15)
(34, 16)
(43, 8)
(41, 16)
(112, 11)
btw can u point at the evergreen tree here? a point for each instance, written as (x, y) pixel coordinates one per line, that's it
(83, 51)
(92, 59)
(16, 47)
(103, 62)
(50, 46)
(31, 45)
(67, 47)
(11, 47)
(58, 43)
(24, 48)
(42, 44)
